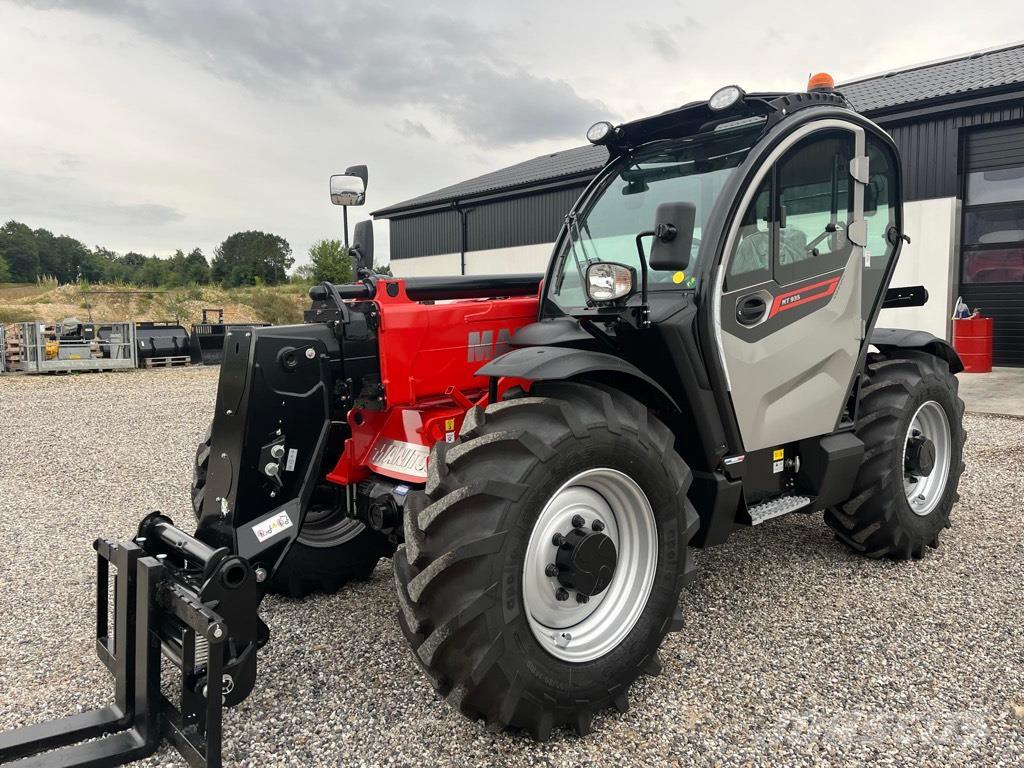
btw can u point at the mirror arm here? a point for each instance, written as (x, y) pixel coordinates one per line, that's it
(645, 313)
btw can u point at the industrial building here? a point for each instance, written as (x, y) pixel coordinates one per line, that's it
(959, 125)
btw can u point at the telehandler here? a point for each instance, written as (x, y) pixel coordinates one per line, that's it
(539, 452)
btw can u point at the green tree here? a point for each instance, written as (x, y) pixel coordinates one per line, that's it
(100, 264)
(154, 272)
(5, 272)
(20, 250)
(248, 258)
(383, 269)
(330, 262)
(51, 261)
(74, 254)
(196, 268)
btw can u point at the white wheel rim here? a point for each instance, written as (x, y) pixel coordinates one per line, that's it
(567, 629)
(925, 491)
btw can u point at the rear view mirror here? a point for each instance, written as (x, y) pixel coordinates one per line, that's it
(362, 247)
(347, 189)
(673, 236)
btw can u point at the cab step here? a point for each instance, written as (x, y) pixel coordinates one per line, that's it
(777, 507)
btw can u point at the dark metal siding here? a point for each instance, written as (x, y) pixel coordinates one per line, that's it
(524, 220)
(520, 221)
(930, 148)
(425, 235)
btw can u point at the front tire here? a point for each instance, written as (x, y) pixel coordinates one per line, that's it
(909, 413)
(331, 548)
(475, 601)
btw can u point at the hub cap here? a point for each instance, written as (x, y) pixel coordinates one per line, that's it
(590, 565)
(926, 458)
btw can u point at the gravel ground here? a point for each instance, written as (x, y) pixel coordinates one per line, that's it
(795, 652)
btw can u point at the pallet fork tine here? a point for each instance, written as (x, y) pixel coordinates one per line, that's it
(145, 598)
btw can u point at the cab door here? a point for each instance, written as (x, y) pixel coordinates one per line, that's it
(789, 308)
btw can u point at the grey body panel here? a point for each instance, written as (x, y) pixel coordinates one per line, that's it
(793, 383)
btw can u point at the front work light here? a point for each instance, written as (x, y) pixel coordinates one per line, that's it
(607, 281)
(600, 132)
(725, 97)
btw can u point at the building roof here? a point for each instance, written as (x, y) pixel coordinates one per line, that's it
(579, 161)
(882, 93)
(937, 80)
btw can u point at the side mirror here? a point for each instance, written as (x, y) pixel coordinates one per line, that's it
(347, 189)
(362, 247)
(673, 236)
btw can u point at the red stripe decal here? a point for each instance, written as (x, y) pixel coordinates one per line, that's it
(804, 294)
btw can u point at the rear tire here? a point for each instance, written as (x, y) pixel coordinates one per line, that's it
(331, 549)
(469, 578)
(894, 512)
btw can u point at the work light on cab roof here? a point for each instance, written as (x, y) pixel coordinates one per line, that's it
(600, 132)
(726, 97)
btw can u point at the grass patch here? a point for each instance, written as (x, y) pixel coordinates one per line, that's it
(15, 315)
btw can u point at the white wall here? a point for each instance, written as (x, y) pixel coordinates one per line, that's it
(499, 261)
(427, 266)
(505, 261)
(929, 260)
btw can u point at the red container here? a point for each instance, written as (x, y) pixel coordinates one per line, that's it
(972, 339)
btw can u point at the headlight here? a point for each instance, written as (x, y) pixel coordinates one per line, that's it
(607, 282)
(725, 97)
(600, 132)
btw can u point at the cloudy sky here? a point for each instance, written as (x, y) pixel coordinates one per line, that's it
(152, 125)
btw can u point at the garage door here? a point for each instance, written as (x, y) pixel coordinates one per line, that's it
(992, 244)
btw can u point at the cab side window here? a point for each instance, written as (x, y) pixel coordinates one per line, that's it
(880, 208)
(814, 202)
(751, 261)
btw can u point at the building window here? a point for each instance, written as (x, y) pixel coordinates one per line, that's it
(992, 248)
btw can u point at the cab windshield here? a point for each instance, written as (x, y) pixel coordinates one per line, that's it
(606, 230)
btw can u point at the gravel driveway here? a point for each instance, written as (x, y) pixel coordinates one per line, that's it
(795, 652)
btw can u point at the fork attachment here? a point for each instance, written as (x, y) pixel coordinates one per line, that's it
(174, 597)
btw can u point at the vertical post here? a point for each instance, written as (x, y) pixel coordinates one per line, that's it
(147, 651)
(344, 218)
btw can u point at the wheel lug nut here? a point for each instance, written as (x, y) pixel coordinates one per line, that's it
(561, 594)
(578, 521)
(557, 539)
(551, 569)
(597, 525)
(581, 598)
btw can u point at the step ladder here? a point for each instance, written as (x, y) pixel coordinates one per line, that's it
(776, 508)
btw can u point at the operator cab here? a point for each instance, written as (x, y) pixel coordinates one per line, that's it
(735, 251)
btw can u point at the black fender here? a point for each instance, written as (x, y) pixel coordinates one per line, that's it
(561, 364)
(902, 338)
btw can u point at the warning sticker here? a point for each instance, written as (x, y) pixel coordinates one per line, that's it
(449, 425)
(272, 526)
(779, 453)
(777, 467)
(449, 437)
(293, 454)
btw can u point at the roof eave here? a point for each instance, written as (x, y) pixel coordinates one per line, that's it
(491, 195)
